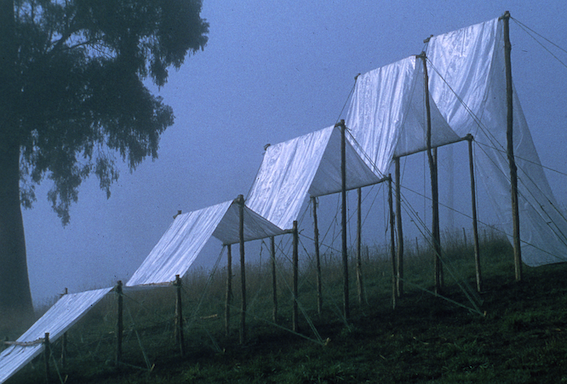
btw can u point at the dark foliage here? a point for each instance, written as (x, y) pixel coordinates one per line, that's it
(79, 93)
(73, 100)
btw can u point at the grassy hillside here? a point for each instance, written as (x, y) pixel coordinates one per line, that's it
(519, 336)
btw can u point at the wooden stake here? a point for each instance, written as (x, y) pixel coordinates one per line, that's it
(47, 355)
(346, 305)
(359, 246)
(295, 313)
(474, 217)
(179, 337)
(64, 343)
(274, 281)
(317, 256)
(392, 242)
(400, 249)
(240, 202)
(432, 157)
(228, 289)
(510, 148)
(119, 323)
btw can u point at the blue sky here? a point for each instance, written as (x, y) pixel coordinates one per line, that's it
(270, 72)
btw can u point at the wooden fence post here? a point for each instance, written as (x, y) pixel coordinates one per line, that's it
(317, 256)
(240, 202)
(392, 241)
(119, 324)
(47, 355)
(432, 157)
(295, 313)
(474, 217)
(179, 337)
(346, 300)
(64, 343)
(274, 280)
(228, 289)
(400, 250)
(359, 246)
(510, 147)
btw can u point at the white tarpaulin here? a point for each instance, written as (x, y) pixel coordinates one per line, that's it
(56, 321)
(307, 164)
(387, 114)
(183, 241)
(255, 226)
(179, 246)
(468, 84)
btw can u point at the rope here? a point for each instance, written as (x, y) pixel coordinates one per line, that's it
(469, 292)
(525, 28)
(51, 354)
(491, 137)
(562, 236)
(146, 360)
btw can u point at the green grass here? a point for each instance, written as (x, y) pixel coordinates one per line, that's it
(519, 337)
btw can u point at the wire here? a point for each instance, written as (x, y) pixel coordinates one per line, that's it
(525, 28)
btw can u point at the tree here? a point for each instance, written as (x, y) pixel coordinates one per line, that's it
(72, 99)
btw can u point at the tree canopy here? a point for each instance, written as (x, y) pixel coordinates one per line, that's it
(72, 92)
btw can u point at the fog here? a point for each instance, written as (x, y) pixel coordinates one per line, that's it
(270, 72)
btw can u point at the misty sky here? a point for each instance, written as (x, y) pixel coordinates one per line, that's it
(270, 72)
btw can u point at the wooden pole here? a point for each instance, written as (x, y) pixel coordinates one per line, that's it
(295, 313)
(392, 242)
(228, 289)
(47, 355)
(474, 217)
(432, 157)
(400, 249)
(510, 147)
(119, 323)
(274, 281)
(346, 305)
(179, 316)
(317, 256)
(240, 202)
(359, 246)
(64, 342)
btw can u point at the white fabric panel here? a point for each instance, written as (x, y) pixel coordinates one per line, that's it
(387, 114)
(285, 176)
(328, 178)
(255, 226)
(179, 246)
(469, 65)
(306, 165)
(57, 320)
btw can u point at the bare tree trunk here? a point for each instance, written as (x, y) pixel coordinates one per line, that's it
(15, 295)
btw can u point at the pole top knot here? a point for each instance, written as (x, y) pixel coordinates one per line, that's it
(506, 15)
(426, 40)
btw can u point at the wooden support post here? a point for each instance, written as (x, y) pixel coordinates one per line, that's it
(47, 355)
(228, 289)
(400, 249)
(317, 256)
(179, 337)
(359, 246)
(346, 305)
(295, 312)
(64, 343)
(432, 157)
(392, 241)
(119, 323)
(474, 217)
(510, 147)
(240, 202)
(274, 281)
